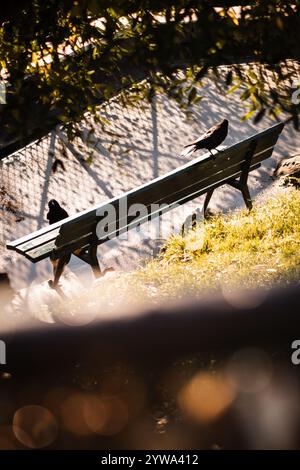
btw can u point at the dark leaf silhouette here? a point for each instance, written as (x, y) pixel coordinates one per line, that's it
(58, 164)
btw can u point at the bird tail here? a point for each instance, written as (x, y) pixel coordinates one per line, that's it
(188, 150)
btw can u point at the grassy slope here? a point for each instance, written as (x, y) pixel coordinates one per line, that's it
(238, 249)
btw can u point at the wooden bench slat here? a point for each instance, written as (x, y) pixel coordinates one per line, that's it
(34, 235)
(41, 252)
(30, 244)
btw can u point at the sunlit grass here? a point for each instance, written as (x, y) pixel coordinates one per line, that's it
(260, 249)
(239, 249)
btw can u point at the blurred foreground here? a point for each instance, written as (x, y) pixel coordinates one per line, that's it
(214, 373)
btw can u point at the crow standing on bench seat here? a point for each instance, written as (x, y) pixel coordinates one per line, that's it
(55, 214)
(209, 140)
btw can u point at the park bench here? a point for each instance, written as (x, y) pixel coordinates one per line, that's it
(79, 234)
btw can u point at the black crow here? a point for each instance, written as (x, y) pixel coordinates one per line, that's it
(55, 214)
(209, 140)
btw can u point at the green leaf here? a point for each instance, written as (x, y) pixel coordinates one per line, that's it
(233, 88)
(192, 95)
(259, 116)
(248, 115)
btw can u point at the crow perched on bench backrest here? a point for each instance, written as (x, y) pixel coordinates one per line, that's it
(209, 140)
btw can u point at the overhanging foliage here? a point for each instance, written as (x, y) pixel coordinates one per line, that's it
(61, 58)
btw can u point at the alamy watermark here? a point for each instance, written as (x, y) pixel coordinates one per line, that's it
(295, 357)
(2, 352)
(116, 219)
(296, 92)
(2, 92)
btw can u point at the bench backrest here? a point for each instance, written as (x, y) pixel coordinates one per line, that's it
(176, 187)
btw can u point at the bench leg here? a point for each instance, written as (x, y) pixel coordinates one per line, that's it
(207, 199)
(244, 190)
(246, 196)
(244, 176)
(58, 268)
(242, 183)
(93, 261)
(89, 256)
